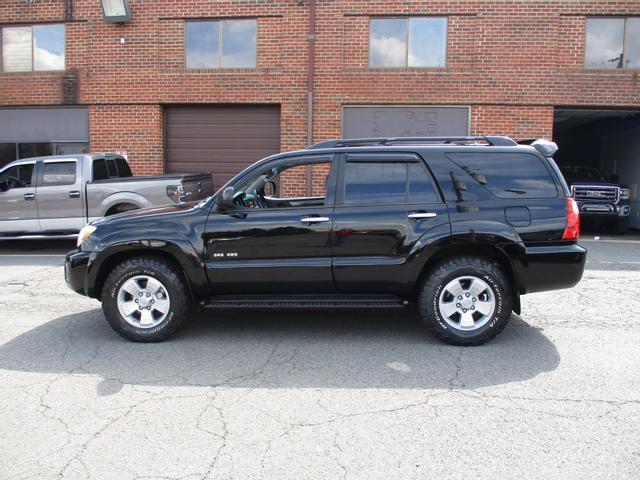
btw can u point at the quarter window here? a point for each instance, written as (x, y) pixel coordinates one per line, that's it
(613, 43)
(33, 48)
(59, 173)
(387, 182)
(508, 175)
(408, 42)
(221, 44)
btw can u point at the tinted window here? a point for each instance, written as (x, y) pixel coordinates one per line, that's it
(28, 150)
(7, 153)
(111, 168)
(17, 177)
(508, 175)
(123, 168)
(100, 171)
(420, 187)
(59, 173)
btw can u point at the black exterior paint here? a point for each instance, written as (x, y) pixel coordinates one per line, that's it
(372, 249)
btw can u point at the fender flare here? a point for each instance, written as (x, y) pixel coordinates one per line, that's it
(122, 197)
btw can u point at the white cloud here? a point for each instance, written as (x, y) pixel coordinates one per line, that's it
(387, 51)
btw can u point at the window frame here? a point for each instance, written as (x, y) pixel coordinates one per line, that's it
(33, 56)
(312, 158)
(34, 172)
(408, 19)
(220, 22)
(58, 184)
(375, 157)
(625, 43)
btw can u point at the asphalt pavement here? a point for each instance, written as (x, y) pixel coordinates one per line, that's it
(305, 395)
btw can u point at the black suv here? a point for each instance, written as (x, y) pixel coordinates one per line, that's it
(460, 226)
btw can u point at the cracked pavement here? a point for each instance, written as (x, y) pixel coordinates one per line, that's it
(305, 395)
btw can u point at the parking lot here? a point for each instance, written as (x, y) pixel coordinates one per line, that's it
(320, 395)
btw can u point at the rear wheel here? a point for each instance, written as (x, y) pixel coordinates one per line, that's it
(465, 300)
(145, 299)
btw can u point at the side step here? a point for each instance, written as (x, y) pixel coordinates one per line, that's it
(303, 302)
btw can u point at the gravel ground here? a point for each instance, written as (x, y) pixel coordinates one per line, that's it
(355, 395)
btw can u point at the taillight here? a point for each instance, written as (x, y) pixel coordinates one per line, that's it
(572, 230)
(176, 193)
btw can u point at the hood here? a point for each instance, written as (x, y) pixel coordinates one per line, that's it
(146, 212)
(593, 184)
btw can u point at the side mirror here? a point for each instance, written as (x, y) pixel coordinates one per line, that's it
(270, 189)
(226, 199)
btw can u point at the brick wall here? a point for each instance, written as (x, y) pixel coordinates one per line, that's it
(510, 61)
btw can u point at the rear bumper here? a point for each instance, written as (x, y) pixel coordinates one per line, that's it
(75, 270)
(543, 268)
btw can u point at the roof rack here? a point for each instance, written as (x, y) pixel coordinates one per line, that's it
(494, 141)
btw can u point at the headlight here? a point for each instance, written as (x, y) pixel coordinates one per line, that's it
(85, 233)
(624, 194)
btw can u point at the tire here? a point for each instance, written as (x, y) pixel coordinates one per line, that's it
(153, 291)
(488, 305)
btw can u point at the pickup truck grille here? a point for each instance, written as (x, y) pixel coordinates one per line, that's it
(595, 194)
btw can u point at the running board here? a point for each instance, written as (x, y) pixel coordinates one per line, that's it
(284, 302)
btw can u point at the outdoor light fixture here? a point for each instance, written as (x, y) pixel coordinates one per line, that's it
(116, 11)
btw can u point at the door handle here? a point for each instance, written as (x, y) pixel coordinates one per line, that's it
(74, 194)
(29, 196)
(422, 215)
(314, 219)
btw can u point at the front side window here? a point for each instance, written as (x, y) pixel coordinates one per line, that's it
(18, 176)
(221, 44)
(387, 182)
(613, 43)
(33, 48)
(508, 175)
(59, 173)
(408, 42)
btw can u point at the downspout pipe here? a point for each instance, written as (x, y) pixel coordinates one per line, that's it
(311, 72)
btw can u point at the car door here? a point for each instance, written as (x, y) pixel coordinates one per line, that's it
(283, 245)
(18, 210)
(385, 203)
(59, 195)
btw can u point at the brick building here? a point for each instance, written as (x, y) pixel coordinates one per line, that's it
(192, 85)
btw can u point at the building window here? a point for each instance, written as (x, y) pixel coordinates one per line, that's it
(408, 42)
(221, 44)
(33, 48)
(613, 43)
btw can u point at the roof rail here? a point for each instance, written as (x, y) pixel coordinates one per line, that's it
(495, 141)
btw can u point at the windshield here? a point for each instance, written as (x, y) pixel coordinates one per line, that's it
(582, 174)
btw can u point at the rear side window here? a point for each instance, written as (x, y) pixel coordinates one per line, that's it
(100, 171)
(508, 175)
(59, 173)
(123, 168)
(387, 182)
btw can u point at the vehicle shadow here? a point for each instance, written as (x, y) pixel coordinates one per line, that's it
(356, 349)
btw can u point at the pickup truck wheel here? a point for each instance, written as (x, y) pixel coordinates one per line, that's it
(465, 301)
(145, 299)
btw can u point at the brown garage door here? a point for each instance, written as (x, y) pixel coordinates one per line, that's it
(219, 139)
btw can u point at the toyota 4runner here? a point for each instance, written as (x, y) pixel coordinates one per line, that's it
(460, 226)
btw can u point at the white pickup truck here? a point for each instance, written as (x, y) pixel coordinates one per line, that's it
(58, 195)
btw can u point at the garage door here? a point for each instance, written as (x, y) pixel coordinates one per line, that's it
(219, 139)
(360, 121)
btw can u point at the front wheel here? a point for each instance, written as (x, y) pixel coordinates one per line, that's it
(145, 299)
(465, 301)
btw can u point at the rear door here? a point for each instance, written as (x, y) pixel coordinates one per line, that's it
(18, 210)
(385, 204)
(59, 195)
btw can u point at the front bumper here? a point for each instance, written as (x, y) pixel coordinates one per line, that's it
(542, 268)
(608, 210)
(76, 264)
